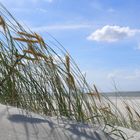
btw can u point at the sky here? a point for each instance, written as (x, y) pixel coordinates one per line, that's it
(103, 36)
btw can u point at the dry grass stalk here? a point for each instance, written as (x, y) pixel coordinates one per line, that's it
(70, 80)
(50, 61)
(27, 34)
(67, 63)
(106, 109)
(2, 22)
(92, 94)
(28, 51)
(128, 109)
(41, 55)
(25, 57)
(33, 50)
(138, 115)
(36, 36)
(25, 40)
(98, 94)
(40, 41)
(37, 54)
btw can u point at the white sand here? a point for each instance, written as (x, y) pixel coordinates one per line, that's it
(134, 104)
(16, 124)
(121, 103)
(131, 134)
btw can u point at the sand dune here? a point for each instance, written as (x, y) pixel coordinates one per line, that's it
(17, 124)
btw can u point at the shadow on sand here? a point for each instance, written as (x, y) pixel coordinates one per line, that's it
(19, 118)
(54, 131)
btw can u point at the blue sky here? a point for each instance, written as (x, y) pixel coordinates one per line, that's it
(103, 36)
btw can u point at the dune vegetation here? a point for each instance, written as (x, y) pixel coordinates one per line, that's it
(40, 76)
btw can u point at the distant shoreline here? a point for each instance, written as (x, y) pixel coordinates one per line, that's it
(122, 94)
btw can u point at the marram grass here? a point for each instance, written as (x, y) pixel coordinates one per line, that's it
(34, 76)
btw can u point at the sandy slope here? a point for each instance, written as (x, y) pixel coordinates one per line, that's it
(132, 135)
(16, 124)
(120, 102)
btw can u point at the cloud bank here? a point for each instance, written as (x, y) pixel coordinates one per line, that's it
(60, 27)
(112, 33)
(21, 3)
(125, 74)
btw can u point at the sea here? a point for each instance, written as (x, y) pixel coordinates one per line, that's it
(122, 94)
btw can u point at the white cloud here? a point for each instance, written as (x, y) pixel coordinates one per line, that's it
(111, 10)
(112, 33)
(124, 74)
(124, 79)
(60, 27)
(35, 1)
(134, 75)
(15, 3)
(42, 10)
(31, 10)
(116, 74)
(111, 75)
(48, 0)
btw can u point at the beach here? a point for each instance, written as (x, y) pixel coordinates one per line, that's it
(122, 102)
(24, 125)
(43, 93)
(18, 124)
